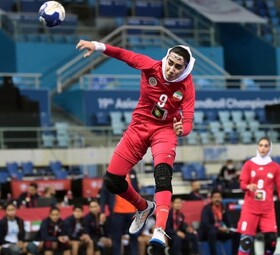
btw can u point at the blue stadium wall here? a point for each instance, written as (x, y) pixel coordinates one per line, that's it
(7, 54)
(247, 54)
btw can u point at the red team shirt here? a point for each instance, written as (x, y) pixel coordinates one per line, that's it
(160, 101)
(258, 208)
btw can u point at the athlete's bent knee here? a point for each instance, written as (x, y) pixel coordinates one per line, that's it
(246, 242)
(270, 239)
(116, 184)
(163, 177)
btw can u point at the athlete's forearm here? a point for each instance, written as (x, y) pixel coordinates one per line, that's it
(187, 127)
(133, 59)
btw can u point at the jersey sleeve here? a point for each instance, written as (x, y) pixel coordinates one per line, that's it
(135, 60)
(188, 109)
(245, 176)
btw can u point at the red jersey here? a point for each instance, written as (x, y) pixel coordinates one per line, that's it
(265, 177)
(160, 101)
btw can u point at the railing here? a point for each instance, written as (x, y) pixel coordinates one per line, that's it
(202, 82)
(97, 136)
(24, 80)
(71, 71)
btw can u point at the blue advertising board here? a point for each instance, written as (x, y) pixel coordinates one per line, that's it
(108, 101)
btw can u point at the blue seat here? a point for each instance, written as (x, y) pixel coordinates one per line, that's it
(236, 116)
(258, 134)
(249, 115)
(30, 5)
(199, 117)
(200, 170)
(61, 128)
(204, 137)
(12, 168)
(219, 137)
(193, 171)
(211, 115)
(224, 115)
(127, 117)
(246, 137)
(61, 175)
(48, 140)
(92, 171)
(63, 141)
(7, 5)
(149, 8)
(113, 8)
(273, 135)
(27, 168)
(101, 118)
(147, 190)
(55, 166)
(4, 176)
(192, 138)
(188, 173)
(117, 123)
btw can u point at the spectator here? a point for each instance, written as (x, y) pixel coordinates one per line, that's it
(227, 174)
(29, 198)
(96, 226)
(121, 213)
(195, 192)
(214, 222)
(52, 233)
(259, 176)
(12, 232)
(49, 192)
(75, 229)
(182, 236)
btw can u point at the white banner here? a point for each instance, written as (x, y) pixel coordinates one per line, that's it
(224, 11)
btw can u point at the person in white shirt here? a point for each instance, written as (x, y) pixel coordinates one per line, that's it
(12, 232)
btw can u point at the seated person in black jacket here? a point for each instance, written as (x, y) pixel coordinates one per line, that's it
(96, 227)
(195, 189)
(29, 198)
(75, 229)
(52, 233)
(182, 236)
(214, 222)
(12, 232)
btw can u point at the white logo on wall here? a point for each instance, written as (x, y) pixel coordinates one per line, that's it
(23, 187)
(153, 81)
(234, 103)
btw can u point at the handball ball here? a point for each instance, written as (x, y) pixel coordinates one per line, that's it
(51, 14)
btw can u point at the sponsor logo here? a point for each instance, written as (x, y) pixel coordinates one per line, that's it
(153, 81)
(270, 175)
(253, 173)
(177, 96)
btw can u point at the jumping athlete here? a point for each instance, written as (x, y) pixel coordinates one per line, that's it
(164, 111)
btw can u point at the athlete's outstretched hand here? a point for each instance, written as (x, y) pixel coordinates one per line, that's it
(178, 126)
(86, 45)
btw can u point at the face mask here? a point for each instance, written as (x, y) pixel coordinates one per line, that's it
(230, 166)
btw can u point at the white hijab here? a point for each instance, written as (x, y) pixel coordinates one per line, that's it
(188, 69)
(259, 160)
